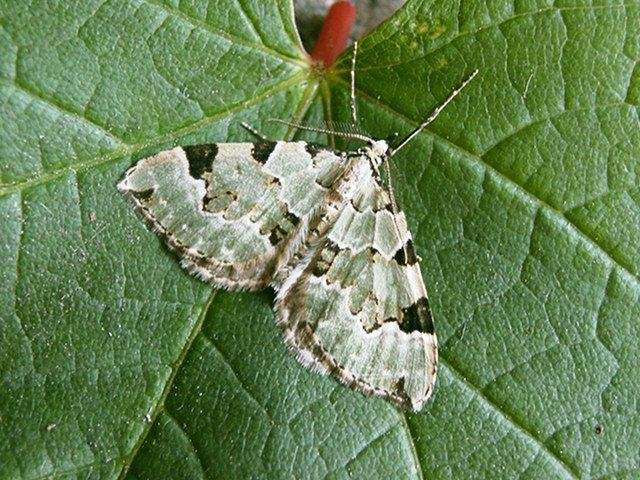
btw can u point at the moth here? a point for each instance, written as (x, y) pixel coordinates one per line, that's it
(323, 229)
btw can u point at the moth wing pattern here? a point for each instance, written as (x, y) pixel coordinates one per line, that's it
(358, 309)
(322, 229)
(233, 212)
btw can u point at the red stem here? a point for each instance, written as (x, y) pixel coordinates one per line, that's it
(334, 33)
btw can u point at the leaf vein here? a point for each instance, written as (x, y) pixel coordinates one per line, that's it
(555, 215)
(249, 21)
(562, 467)
(175, 367)
(20, 204)
(598, 331)
(74, 470)
(498, 24)
(58, 107)
(412, 447)
(226, 35)
(132, 149)
(250, 394)
(364, 448)
(192, 447)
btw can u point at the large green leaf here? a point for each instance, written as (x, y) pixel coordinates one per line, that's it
(523, 198)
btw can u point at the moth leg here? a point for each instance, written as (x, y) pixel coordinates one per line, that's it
(256, 132)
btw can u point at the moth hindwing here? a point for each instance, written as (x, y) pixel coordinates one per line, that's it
(321, 228)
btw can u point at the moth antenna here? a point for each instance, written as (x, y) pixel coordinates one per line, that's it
(354, 117)
(352, 135)
(344, 127)
(432, 116)
(255, 132)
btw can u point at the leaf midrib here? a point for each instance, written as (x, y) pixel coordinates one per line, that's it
(132, 149)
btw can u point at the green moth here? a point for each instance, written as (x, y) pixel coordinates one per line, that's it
(320, 227)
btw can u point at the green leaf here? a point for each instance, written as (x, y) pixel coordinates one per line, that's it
(523, 199)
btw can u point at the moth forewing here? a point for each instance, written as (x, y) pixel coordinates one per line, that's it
(320, 227)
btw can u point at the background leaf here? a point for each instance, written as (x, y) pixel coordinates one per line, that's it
(522, 197)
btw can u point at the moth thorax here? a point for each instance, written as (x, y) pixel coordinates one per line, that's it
(376, 151)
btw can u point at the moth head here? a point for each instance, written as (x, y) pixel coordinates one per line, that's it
(376, 151)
